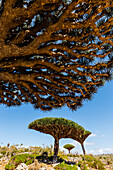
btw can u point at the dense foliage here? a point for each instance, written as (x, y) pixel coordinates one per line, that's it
(54, 52)
(60, 128)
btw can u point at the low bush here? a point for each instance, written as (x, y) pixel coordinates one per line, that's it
(64, 166)
(109, 162)
(72, 155)
(82, 165)
(10, 167)
(3, 152)
(17, 159)
(63, 157)
(91, 162)
(1, 156)
(97, 164)
(89, 158)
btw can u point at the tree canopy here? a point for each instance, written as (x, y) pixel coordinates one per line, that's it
(69, 147)
(54, 52)
(60, 128)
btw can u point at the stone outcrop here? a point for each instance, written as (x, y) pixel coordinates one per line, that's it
(22, 166)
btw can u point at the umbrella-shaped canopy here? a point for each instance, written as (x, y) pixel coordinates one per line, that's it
(60, 128)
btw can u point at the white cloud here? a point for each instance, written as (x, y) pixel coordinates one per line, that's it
(101, 151)
(75, 143)
(92, 135)
(108, 149)
(88, 143)
(103, 136)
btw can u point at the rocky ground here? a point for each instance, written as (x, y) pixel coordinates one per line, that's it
(3, 162)
(35, 166)
(106, 159)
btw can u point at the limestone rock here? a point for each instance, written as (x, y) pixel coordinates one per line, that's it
(22, 166)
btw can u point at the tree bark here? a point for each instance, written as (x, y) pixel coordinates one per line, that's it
(56, 147)
(84, 152)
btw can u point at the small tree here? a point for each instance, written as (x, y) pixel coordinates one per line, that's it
(69, 147)
(60, 128)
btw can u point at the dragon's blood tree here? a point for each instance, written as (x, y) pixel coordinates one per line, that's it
(54, 52)
(60, 128)
(69, 147)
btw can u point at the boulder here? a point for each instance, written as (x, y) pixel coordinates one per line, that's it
(22, 166)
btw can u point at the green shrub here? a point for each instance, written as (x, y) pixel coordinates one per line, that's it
(64, 166)
(1, 156)
(82, 165)
(9, 167)
(89, 158)
(109, 162)
(79, 163)
(97, 164)
(63, 156)
(72, 155)
(26, 150)
(3, 152)
(23, 158)
(17, 159)
(91, 162)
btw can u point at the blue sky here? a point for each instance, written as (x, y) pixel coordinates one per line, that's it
(95, 115)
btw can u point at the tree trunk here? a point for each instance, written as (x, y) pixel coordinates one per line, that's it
(56, 147)
(69, 151)
(84, 152)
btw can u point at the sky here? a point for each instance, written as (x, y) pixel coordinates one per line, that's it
(95, 116)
